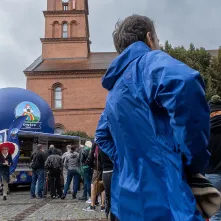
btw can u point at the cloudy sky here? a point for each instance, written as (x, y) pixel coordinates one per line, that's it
(179, 21)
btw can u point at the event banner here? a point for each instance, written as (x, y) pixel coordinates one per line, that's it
(13, 137)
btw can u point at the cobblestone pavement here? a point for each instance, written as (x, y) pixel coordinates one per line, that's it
(19, 207)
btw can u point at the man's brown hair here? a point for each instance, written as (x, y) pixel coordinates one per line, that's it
(134, 28)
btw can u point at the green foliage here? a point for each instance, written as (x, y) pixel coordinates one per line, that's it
(78, 133)
(202, 61)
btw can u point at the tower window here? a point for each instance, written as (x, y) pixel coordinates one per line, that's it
(65, 7)
(65, 30)
(56, 31)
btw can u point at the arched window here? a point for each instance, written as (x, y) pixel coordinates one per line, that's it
(59, 129)
(57, 102)
(56, 30)
(65, 30)
(74, 29)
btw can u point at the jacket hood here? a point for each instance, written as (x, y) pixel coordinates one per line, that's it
(118, 66)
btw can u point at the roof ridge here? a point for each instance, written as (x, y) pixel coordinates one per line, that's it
(95, 61)
(34, 64)
(104, 52)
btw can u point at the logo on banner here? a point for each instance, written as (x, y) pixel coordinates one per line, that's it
(32, 112)
(14, 133)
(23, 177)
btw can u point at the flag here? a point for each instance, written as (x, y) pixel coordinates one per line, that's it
(13, 137)
(15, 127)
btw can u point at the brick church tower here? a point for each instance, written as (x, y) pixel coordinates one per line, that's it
(66, 30)
(67, 75)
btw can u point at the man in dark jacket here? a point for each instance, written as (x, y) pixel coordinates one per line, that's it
(5, 163)
(54, 166)
(107, 167)
(213, 172)
(84, 154)
(94, 162)
(37, 164)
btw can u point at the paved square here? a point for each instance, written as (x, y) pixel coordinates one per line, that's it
(19, 207)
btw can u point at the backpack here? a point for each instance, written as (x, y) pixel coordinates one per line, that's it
(33, 161)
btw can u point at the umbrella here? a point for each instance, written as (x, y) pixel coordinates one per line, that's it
(9, 145)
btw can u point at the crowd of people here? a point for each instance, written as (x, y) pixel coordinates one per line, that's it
(86, 162)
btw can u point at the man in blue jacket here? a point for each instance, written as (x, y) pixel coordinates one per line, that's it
(154, 127)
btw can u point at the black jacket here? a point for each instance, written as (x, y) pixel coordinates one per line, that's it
(84, 154)
(92, 160)
(106, 163)
(38, 159)
(54, 162)
(215, 140)
(5, 168)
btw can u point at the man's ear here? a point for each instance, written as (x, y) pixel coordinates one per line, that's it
(149, 40)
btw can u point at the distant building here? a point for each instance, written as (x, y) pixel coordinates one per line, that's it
(214, 53)
(67, 75)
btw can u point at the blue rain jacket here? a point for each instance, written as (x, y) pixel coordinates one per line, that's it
(155, 124)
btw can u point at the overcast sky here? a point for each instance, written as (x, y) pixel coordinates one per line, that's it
(179, 21)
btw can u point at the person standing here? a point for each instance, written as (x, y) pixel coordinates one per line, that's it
(65, 171)
(5, 163)
(154, 126)
(87, 173)
(1, 186)
(213, 171)
(72, 164)
(46, 183)
(38, 172)
(94, 162)
(107, 167)
(54, 166)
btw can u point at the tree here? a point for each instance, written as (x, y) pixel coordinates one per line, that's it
(202, 61)
(78, 133)
(215, 72)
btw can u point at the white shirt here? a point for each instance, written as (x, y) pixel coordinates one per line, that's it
(5, 155)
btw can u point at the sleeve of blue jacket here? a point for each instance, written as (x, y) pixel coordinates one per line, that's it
(180, 90)
(104, 139)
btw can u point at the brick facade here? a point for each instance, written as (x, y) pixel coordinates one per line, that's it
(68, 63)
(83, 99)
